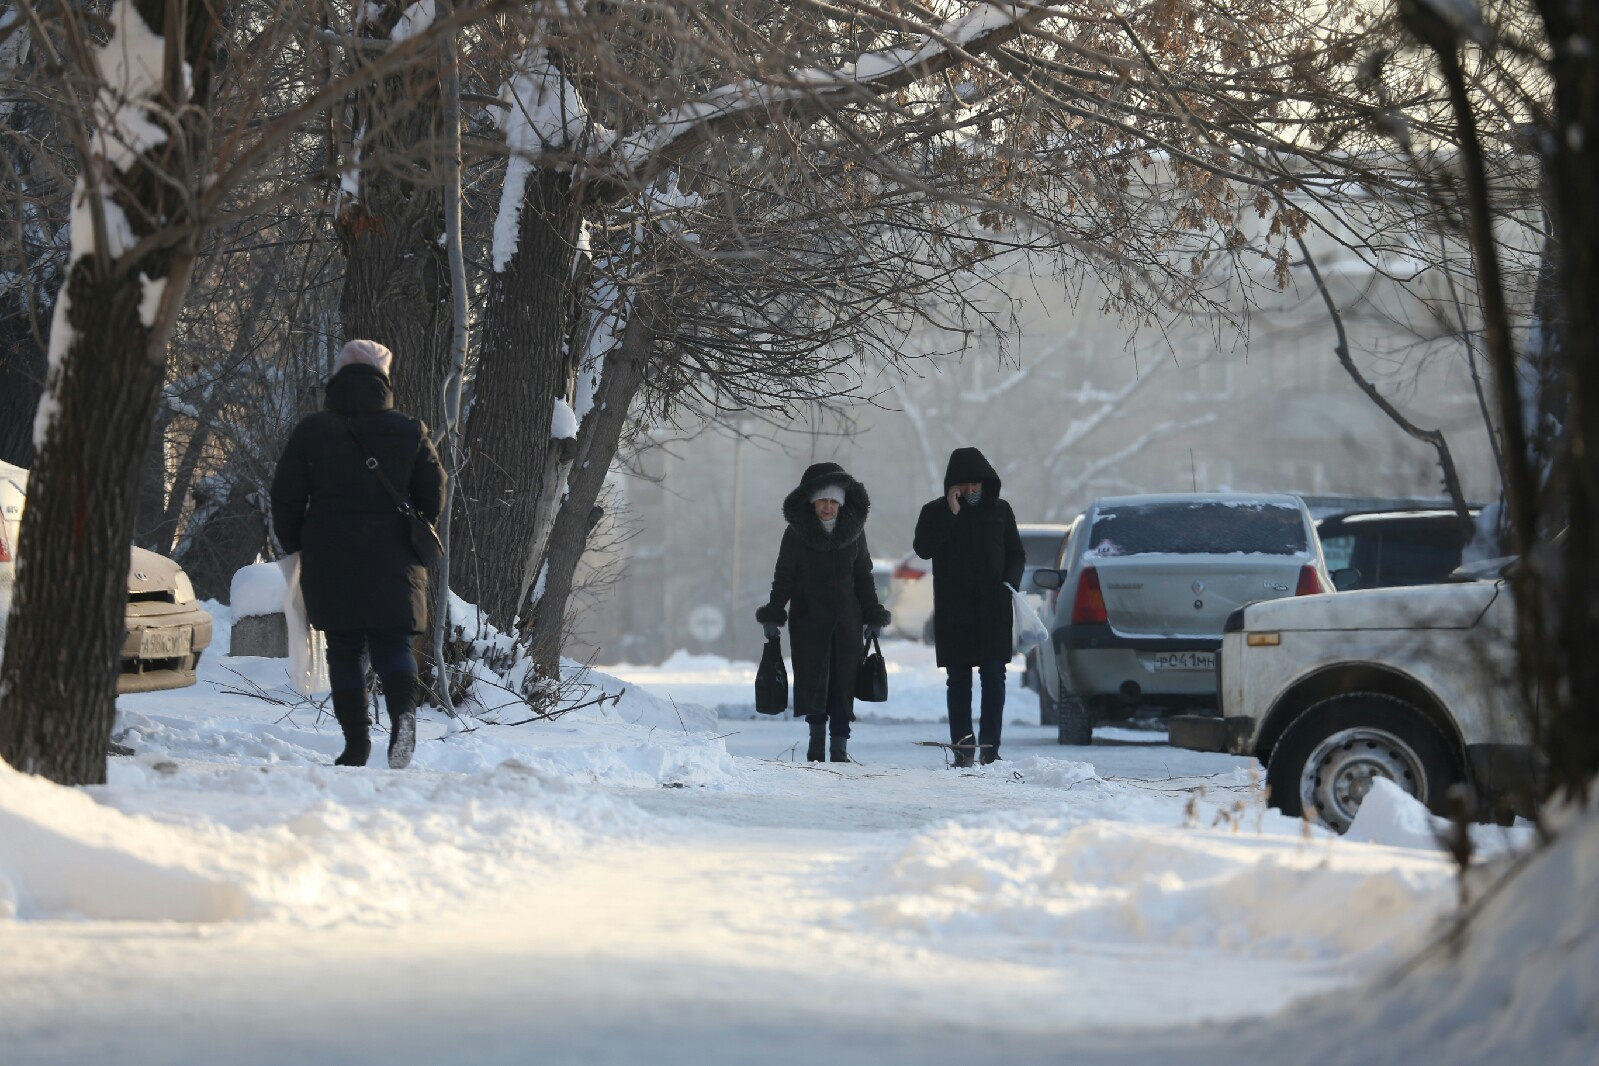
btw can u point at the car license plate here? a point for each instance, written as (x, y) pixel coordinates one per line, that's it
(165, 643)
(1184, 660)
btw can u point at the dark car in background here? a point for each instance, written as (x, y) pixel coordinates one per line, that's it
(1394, 548)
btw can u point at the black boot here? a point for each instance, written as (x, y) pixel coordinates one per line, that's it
(963, 751)
(989, 755)
(349, 707)
(817, 751)
(839, 751)
(401, 692)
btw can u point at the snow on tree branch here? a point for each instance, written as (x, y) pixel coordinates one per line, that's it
(645, 153)
(129, 69)
(544, 113)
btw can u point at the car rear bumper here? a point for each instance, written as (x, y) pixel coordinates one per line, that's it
(162, 646)
(1097, 661)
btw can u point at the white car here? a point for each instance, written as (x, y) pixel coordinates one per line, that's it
(166, 629)
(1416, 685)
(910, 598)
(1146, 582)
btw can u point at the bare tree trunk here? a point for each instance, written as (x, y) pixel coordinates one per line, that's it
(59, 677)
(1570, 732)
(152, 502)
(510, 469)
(58, 681)
(396, 281)
(597, 441)
(166, 535)
(449, 430)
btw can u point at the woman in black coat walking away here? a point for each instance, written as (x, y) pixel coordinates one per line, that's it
(970, 535)
(363, 583)
(824, 578)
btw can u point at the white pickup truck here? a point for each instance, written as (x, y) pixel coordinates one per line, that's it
(1414, 684)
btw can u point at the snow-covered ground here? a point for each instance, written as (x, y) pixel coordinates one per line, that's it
(642, 881)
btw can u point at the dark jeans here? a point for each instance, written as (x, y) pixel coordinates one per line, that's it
(960, 703)
(349, 649)
(838, 711)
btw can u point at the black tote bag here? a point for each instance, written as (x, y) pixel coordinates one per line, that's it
(871, 680)
(771, 679)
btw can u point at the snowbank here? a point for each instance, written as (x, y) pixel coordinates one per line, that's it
(1066, 886)
(313, 845)
(1390, 815)
(63, 855)
(1522, 985)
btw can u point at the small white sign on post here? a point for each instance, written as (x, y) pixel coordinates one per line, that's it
(706, 623)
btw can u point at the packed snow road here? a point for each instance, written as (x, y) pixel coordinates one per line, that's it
(640, 881)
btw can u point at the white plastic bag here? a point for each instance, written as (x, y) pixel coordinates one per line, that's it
(308, 648)
(1027, 629)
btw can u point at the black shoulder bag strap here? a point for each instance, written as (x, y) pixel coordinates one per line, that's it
(372, 464)
(419, 531)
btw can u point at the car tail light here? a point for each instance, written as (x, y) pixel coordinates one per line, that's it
(5, 547)
(907, 572)
(1310, 583)
(1088, 607)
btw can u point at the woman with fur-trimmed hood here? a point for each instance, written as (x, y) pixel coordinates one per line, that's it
(824, 580)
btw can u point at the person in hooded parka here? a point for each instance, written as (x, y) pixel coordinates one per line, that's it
(363, 583)
(822, 588)
(970, 535)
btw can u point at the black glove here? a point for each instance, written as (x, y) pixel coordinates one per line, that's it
(772, 631)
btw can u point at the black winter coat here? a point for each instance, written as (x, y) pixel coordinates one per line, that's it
(826, 581)
(357, 568)
(975, 555)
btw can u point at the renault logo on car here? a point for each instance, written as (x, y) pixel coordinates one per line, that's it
(1198, 587)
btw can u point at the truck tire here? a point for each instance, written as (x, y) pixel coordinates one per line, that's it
(1326, 760)
(1074, 722)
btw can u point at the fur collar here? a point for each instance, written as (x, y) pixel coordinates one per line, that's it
(802, 518)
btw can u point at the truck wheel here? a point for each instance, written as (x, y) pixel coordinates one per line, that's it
(1074, 723)
(1328, 757)
(929, 635)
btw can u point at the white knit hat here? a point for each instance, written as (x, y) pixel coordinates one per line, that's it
(368, 353)
(834, 492)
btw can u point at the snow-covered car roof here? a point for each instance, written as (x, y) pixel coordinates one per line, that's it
(1274, 499)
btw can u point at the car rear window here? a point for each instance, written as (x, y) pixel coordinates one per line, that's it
(1198, 527)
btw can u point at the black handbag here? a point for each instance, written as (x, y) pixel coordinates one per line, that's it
(871, 679)
(771, 679)
(424, 539)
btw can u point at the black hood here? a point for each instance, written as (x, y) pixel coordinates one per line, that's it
(968, 464)
(359, 389)
(801, 515)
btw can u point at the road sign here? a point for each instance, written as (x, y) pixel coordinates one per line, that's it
(706, 623)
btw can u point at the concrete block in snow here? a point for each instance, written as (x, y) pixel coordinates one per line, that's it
(260, 634)
(256, 597)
